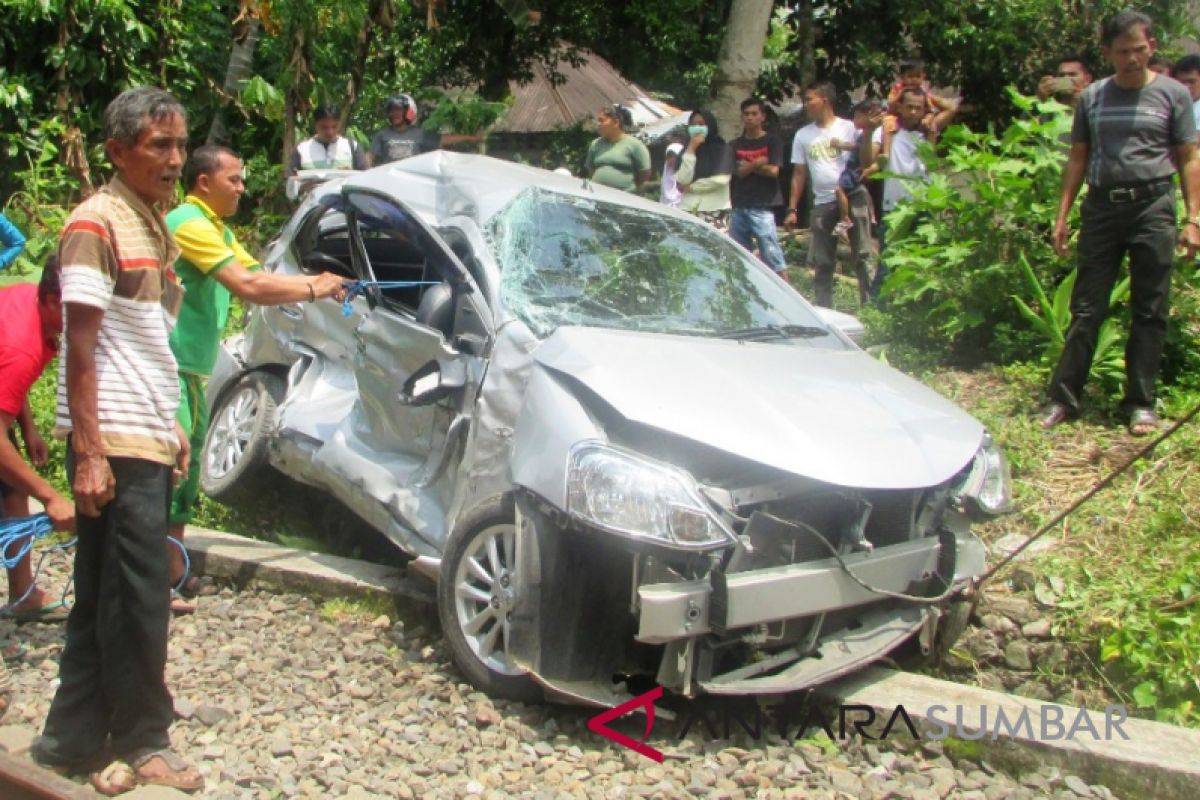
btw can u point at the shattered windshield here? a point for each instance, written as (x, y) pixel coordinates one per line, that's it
(569, 260)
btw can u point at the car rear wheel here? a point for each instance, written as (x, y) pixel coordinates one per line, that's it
(234, 465)
(477, 591)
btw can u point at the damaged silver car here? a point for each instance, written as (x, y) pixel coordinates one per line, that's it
(623, 448)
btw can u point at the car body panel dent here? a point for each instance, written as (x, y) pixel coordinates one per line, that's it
(815, 413)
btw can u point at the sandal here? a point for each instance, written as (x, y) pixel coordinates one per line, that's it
(198, 586)
(56, 611)
(1143, 421)
(117, 778)
(1054, 415)
(173, 771)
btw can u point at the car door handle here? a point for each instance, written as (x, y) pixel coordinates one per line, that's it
(293, 310)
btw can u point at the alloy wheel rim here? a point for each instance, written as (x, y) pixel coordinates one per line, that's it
(231, 433)
(485, 596)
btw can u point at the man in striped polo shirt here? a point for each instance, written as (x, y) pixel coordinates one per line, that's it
(118, 393)
(212, 264)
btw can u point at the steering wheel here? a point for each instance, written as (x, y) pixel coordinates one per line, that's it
(317, 260)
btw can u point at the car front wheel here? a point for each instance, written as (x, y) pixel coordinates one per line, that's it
(477, 592)
(234, 465)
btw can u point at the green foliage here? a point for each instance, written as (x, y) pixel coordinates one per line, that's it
(460, 111)
(1052, 319)
(1156, 649)
(956, 248)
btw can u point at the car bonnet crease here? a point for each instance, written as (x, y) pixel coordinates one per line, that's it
(837, 417)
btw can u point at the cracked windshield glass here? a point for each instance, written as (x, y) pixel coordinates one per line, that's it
(569, 260)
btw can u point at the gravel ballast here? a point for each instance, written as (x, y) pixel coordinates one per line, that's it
(276, 698)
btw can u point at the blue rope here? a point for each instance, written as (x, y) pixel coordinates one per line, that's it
(28, 530)
(357, 288)
(17, 529)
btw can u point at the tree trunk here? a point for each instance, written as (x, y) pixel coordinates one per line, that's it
(295, 99)
(806, 42)
(379, 16)
(739, 61)
(241, 67)
(74, 153)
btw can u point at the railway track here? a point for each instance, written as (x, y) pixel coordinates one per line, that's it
(21, 779)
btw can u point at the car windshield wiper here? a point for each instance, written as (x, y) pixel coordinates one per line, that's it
(775, 332)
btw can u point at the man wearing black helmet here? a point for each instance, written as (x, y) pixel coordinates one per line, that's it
(402, 137)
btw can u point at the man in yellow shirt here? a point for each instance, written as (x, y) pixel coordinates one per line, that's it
(212, 266)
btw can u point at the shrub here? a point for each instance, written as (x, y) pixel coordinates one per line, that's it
(953, 251)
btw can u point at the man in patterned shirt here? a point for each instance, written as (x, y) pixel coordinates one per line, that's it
(117, 397)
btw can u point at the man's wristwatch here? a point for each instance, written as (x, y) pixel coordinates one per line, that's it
(1193, 221)
(789, 211)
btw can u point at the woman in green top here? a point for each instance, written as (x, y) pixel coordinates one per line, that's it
(615, 158)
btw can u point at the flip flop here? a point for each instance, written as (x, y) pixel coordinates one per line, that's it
(51, 612)
(198, 586)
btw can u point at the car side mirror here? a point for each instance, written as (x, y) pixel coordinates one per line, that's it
(434, 380)
(849, 325)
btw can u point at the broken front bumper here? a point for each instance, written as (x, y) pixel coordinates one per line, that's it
(671, 612)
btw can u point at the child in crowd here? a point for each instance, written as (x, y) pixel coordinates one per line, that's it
(852, 177)
(670, 194)
(939, 110)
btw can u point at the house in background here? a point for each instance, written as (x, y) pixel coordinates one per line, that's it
(551, 124)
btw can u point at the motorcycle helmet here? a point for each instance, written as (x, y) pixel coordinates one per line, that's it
(403, 102)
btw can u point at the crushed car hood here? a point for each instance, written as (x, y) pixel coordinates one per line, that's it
(835, 416)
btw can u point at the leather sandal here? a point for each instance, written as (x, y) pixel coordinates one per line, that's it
(1054, 415)
(173, 772)
(1143, 421)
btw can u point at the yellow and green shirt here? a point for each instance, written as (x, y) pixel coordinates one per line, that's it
(206, 245)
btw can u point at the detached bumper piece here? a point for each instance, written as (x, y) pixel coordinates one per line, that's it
(684, 609)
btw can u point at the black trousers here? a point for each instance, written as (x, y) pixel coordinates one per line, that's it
(1146, 232)
(112, 669)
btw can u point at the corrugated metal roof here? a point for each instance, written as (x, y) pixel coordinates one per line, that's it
(541, 106)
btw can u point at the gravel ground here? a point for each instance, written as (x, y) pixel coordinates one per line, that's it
(277, 698)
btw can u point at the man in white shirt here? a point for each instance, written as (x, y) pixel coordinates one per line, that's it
(817, 161)
(898, 151)
(327, 148)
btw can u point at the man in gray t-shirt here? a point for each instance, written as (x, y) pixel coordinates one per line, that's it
(1133, 131)
(404, 138)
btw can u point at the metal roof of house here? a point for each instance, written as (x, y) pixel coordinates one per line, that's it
(593, 85)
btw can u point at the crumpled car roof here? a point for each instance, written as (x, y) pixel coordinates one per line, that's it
(444, 184)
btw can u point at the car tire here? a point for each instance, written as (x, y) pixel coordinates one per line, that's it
(233, 464)
(466, 592)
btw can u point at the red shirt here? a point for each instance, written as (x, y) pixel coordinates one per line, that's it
(24, 351)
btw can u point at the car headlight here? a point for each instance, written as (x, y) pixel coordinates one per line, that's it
(629, 495)
(987, 489)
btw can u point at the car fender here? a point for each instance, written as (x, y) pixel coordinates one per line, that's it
(551, 422)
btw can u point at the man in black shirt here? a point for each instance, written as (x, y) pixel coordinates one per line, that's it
(754, 189)
(1132, 132)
